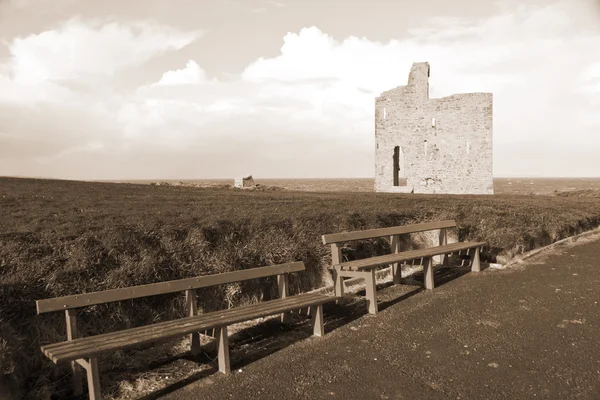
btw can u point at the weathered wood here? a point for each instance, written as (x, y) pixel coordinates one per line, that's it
(122, 339)
(338, 280)
(283, 286)
(99, 344)
(428, 273)
(77, 377)
(108, 296)
(395, 249)
(93, 378)
(381, 232)
(370, 289)
(442, 241)
(475, 263)
(317, 320)
(374, 262)
(191, 309)
(82, 362)
(223, 350)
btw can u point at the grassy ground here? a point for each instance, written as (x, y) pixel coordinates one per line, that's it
(59, 238)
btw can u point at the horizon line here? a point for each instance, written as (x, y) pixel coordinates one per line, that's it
(262, 178)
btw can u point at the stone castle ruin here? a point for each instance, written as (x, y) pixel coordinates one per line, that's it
(428, 145)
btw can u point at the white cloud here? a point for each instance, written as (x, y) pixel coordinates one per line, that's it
(81, 47)
(191, 74)
(81, 51)
(309, 110)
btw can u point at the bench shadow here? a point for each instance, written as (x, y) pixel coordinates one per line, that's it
(256, 342)
(444, 274)
(382, 305)
(253, 343)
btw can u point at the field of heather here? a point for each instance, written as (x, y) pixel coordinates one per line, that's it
(64, 237)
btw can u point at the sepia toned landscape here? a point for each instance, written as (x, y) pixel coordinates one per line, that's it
(287, 199)
(66, 237)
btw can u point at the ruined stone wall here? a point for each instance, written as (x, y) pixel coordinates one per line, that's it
(452, 154)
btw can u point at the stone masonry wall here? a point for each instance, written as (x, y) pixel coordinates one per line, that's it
(452, 154)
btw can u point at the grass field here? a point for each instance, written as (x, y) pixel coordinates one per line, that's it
(61, 237)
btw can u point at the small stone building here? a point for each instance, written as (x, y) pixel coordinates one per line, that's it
(428, 145)
(244, 182)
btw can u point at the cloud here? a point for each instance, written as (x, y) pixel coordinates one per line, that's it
(82, 51)
(307, 111)
(78, 48)
(191, 74)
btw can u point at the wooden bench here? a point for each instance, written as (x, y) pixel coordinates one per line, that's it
(83, 352)
(365, 268)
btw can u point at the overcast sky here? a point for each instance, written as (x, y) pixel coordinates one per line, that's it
(168, 89)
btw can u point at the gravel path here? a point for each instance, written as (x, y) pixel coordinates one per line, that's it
(526, 332)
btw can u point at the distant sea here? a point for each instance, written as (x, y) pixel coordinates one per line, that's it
(501, 185)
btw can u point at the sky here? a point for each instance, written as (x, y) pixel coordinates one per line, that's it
(185, 89)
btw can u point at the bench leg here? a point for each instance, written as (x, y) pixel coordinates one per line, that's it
(223, 350)
(191, 309)
(317, 320)
(370, 292)
(93, 378)
(475, 264)
(396, 273)
(428, 273)
(338, 283)
(195, 343)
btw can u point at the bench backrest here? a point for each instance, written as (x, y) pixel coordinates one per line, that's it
(153, 289)
(381, 232)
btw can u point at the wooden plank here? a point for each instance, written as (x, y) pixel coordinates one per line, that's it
(374, 262)
(208, 320)
(475, 263)
(336, 258)
(153, 289)
(94, 345)
(381, 232)
(191, 308)
(443, 239)
(428, 273)
(82, 362)
(395, 249)
(317, 320)
(283, 286)
(223, 350)
(93, 378)
(371, 292)
(77, 373)
(338, 282)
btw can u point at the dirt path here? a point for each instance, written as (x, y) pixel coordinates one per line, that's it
(528, 332)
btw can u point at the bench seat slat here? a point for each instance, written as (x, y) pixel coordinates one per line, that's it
(409, 255)
(108, 342)
(166, 327)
